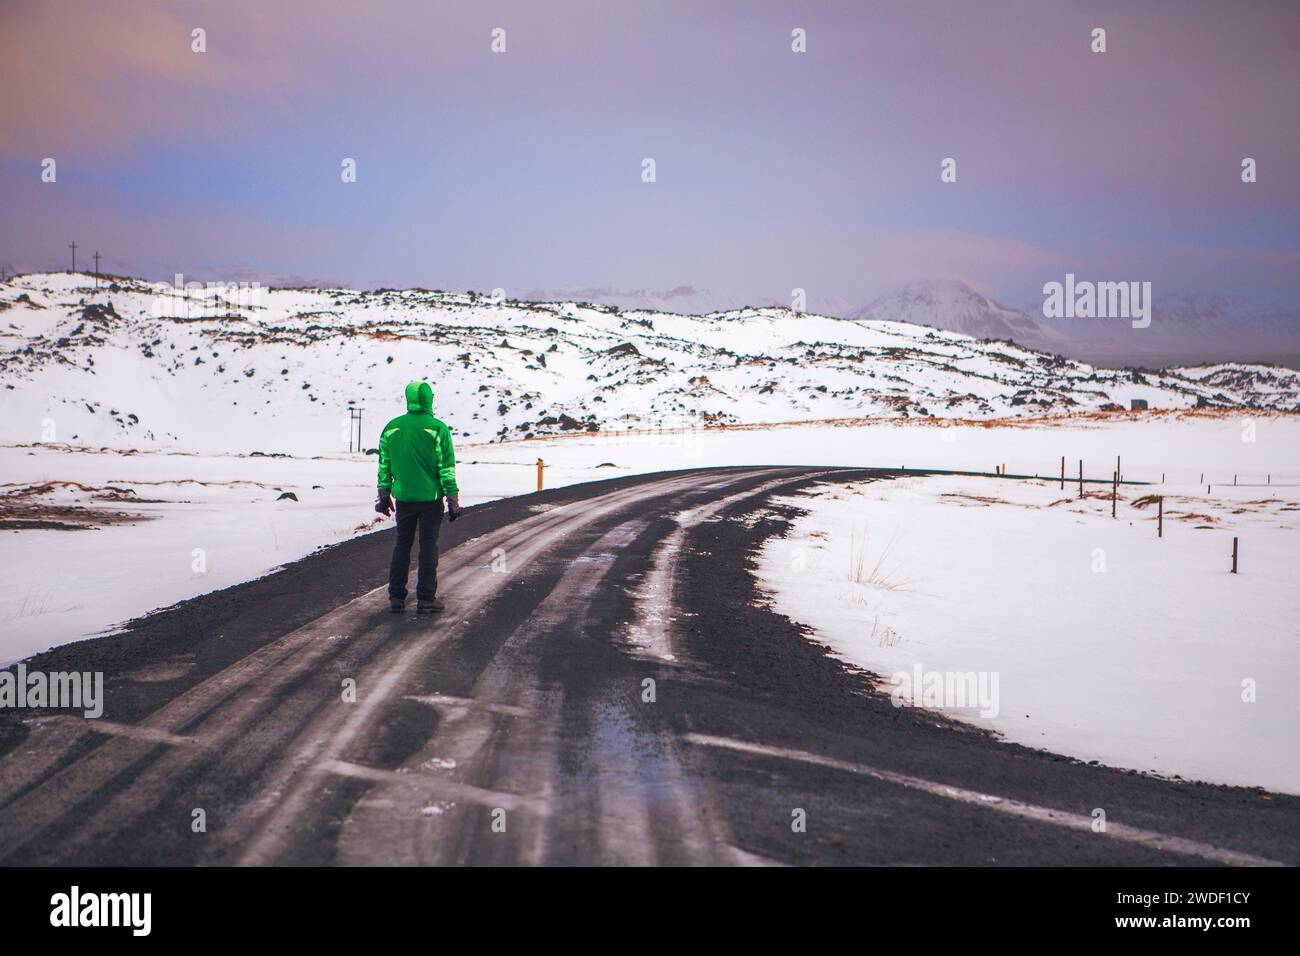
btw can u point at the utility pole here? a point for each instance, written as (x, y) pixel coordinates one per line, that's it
(96, 269)
(74, 256)
(354, 426)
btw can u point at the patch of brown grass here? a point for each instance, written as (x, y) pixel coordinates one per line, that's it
(1191, 516)
(29, 516)
(980, 500)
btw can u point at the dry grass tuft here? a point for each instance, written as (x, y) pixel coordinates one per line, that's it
(864, 571)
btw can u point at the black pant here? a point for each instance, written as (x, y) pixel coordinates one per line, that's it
(427, 516)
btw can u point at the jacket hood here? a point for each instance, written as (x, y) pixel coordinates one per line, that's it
(419, 398)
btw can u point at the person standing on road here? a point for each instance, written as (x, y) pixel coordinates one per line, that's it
(417, 468)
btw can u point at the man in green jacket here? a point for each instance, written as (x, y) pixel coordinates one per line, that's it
(417, 468)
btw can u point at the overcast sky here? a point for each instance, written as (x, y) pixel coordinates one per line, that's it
(775, 169)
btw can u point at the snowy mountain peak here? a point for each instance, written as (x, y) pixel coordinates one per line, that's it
(954, 306)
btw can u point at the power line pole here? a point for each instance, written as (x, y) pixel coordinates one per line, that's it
(74, 256)
(354, 426)
(96, 269)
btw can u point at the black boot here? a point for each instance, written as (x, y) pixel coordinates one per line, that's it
(396, 606)
(432, 606)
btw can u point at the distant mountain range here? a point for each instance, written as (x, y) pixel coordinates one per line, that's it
(1184, 330)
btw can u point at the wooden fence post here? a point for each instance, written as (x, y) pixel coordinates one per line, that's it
(540, 466)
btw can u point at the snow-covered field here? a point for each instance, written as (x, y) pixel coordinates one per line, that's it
(60, 585)
(1084, 634)
(196, 524)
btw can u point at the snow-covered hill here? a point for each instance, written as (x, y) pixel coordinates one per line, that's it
(133, 364)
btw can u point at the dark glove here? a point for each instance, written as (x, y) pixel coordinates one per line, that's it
(453, 507)
(384, 502)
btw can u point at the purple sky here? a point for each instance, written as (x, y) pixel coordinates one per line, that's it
(522, 170)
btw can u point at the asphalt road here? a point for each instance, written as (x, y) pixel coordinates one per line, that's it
(606, 686)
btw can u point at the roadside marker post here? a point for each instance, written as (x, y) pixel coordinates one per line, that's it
(1080, 477)
(1062, 472)
(1234, 555)
(1160, 517)
(541, 465)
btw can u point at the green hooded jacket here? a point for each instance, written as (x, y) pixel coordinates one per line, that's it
(416, 460)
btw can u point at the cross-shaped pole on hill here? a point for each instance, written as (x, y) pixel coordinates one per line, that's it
(74, 256)
(97, 269)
